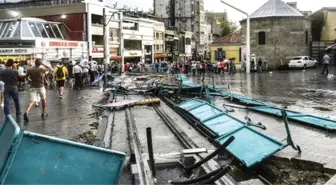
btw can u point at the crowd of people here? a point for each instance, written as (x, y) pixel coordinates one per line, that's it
(13, 78)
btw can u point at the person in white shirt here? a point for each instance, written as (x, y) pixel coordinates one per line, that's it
(193, 68)
(77, 72)
(85, 75)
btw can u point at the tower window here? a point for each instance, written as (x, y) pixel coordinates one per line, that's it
(262, 38)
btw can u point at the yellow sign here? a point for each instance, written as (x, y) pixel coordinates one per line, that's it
(133, 53)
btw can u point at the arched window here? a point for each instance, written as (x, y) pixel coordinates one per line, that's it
(262, 38)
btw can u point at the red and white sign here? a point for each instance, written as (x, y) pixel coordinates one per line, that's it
(98, 50)
(48, 43)
(63, 44)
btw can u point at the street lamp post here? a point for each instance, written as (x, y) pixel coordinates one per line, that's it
(248, 45)
(106, 40)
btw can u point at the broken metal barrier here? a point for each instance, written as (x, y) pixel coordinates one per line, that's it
(129, 103)
(249, 147)
(187, 82)
(31, 158)
(186, 86)
(315, 121)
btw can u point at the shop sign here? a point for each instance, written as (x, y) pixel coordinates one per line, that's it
(161, 55)
(63, 44)
(14, 51)
(133, 53)
(98, 50)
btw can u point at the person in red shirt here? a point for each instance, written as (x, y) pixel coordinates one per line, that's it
(203, 68)
(126, 67)
(222, 65)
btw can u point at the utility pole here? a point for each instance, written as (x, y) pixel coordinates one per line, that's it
(106, 45)
(248, 45)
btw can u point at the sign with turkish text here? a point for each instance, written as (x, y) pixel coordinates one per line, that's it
(161, 55)
(63, 44)
(14, 51)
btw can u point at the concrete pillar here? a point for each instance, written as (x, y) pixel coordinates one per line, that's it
(88, 24)
(121, 38)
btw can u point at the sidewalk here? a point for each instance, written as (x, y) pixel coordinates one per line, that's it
(68, 117)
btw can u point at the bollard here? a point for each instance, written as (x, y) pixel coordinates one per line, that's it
(150, 150)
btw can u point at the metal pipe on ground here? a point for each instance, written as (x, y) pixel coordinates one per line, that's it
(208, 178)
(150, 150)
(222, 147)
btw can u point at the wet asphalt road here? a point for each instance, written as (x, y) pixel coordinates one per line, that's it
(68, 117)
(307, 92)
(304, 91)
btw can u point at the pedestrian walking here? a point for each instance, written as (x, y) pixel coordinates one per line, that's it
(326, 61)
(61, 73)
(9, 76)
(85, 76)
(260, 65)
(265, 64)
(193, 68)
(37, 91)
(77, 71)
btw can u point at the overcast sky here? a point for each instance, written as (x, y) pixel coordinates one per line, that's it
(247, 5)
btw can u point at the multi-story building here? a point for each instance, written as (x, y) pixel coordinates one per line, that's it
(138, 39)
(82, 20)
(329, 26)
(215, 19)
(184, 15)
(172, 45)
(159, 42)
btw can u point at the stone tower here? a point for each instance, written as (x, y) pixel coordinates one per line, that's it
(278, 32)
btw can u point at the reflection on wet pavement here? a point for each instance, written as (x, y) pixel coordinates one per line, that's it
(68, 117)
(304, 91)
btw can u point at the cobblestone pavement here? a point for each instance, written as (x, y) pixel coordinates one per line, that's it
(304, 91)
(68, 117)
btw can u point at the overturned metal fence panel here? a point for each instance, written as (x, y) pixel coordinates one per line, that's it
(38, 159)
(249, 147)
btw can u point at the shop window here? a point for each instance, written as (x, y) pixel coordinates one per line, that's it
(64, 32)
(34, 29)
(262, 38)
(56, 31)
(49, 31)
(188, 41)
(17, 32)
(10, 29)
(3, 29)
(41, 29)
(130, 25)
(26, 31)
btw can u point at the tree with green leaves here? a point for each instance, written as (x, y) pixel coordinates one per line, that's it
(227, 27)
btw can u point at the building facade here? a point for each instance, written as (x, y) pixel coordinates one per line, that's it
(329, 27)
(138, 39)
(82, 21)
(278, 36)
(185, 15)
(159, 42)
(226, 47)
(26, 39)
(215, 19)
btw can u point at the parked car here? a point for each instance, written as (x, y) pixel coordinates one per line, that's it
(302, 62)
